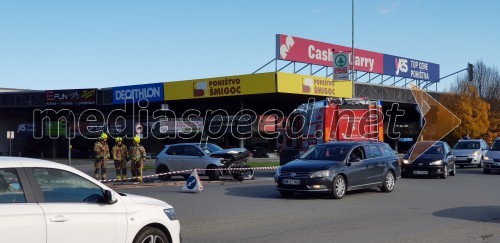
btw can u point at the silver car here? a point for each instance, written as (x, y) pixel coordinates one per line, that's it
(187, 156)
(491, 160)
(470, 152)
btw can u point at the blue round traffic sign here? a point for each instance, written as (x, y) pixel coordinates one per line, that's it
(191, 182)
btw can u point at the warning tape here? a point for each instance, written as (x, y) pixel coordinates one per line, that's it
(191, 170)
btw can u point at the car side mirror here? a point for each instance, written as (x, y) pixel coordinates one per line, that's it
(109, 197)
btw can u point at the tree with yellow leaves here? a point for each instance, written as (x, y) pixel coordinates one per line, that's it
(472, 110)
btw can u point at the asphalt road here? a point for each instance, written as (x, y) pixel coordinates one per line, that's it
(464, 208)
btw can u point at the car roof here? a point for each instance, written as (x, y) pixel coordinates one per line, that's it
(6, 162)
(472, 140)
(352, 143)
(185, 144)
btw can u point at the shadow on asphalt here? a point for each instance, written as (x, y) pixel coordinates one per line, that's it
(487, 214)
(474, 171)
(268, 192)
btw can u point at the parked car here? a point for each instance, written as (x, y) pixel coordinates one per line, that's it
(435, 159)
(257, 151)
(491, 160)
(150, 155)
(42, 201)
(470, 152)
(186, 156)
(337, 167)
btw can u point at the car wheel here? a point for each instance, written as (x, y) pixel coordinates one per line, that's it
(454, 171)
(238, 177)
(163, 169)
(486, 171)
(339, 187)
(212, 174)
(445, 174)
(389, 182)
(151, 235)
(286, 193)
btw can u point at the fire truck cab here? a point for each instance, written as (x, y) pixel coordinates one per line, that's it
(332, 119)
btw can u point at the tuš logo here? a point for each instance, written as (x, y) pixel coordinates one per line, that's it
(200, 89)
(307, 85)
(401, 65)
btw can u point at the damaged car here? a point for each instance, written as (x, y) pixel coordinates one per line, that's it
(181, 158)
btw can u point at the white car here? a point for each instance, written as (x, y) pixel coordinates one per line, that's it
(470, 152)
(491, 160)
(42, 201)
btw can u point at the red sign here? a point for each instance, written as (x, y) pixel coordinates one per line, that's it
(297, 49)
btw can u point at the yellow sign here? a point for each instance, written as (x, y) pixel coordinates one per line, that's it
(312, 85)
(219, 87)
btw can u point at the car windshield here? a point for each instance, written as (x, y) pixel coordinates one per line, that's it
(436, 149)
(495, 146)
(326, 152)
(210, 148)
(467, 145)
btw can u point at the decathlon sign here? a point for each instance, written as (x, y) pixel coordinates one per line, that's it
(134, 93)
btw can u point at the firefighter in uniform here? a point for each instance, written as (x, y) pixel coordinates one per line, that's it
(137, 155)
(101, 150)
(120, 157)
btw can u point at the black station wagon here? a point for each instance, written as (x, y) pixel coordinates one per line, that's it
(337, 167)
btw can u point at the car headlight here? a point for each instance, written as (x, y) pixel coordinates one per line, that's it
(405, 161)
(278, 171)
(321, 173)
(475, 153)
(486, 158)
(437, 162)
(170, 213)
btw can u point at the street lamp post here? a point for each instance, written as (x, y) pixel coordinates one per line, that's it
(352, 53)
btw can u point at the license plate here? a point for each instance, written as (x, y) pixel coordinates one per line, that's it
(420, 172)
(461, 159)
(291, 182)
(497, 163)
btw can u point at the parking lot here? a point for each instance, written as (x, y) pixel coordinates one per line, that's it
(464, 208)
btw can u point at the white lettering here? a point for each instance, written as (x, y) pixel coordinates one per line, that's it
(310, 51)
(139, 93)
(401, 65)
(318, 54)
(364, 62)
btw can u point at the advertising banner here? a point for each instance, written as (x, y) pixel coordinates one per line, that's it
(221, 87)
(410, 68)
(297, 49)
(134, 93)
(55, 129)
(70, 97)
(312, 85)
(26, 128)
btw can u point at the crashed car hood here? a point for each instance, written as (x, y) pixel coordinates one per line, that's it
(236, 153)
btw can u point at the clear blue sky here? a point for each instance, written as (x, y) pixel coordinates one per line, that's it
(97, 44)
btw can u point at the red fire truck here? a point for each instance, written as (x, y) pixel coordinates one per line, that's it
(332, 119)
